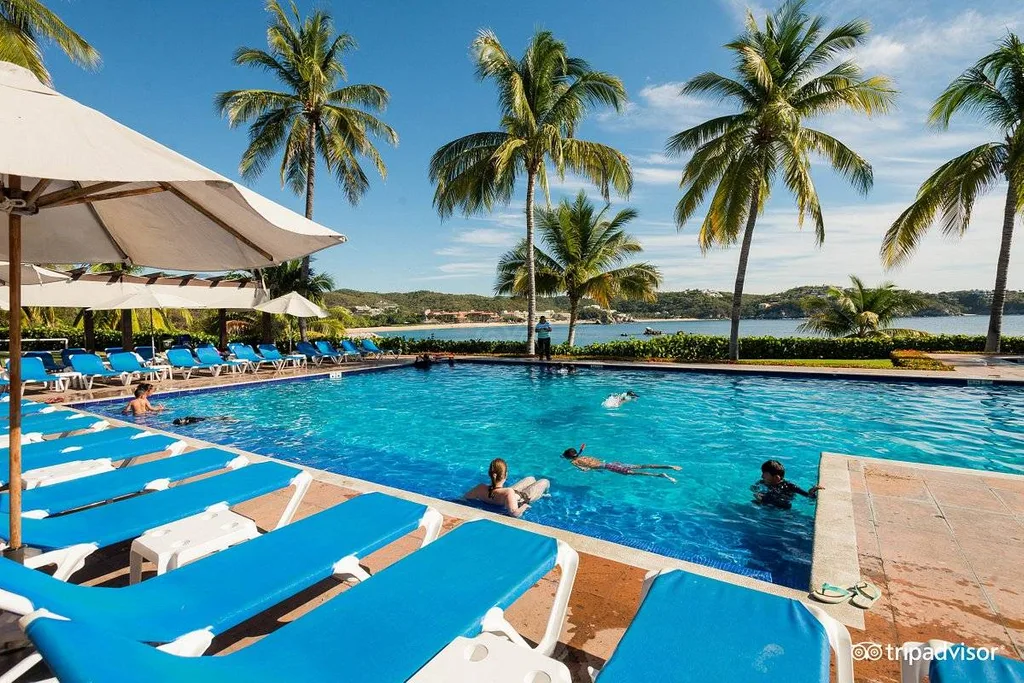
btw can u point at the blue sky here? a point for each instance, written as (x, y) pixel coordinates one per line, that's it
(163, 62)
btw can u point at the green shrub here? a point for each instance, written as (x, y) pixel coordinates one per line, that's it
(916, 360)
(695, 347)
(103, 337)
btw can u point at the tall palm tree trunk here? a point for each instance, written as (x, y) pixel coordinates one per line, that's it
(310, 184)
(995, 317)
(741, 276)
(89, 328)
(266, 325)
(531, 264)
(127, 342)
(574, 309)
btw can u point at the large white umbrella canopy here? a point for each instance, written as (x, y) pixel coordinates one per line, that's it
(293, 304)
(147, 298)
(78, 187)
(31, 275)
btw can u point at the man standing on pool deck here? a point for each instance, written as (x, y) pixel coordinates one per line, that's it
(543, 331)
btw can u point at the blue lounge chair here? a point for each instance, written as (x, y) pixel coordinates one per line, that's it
(128, 362)
(179, 607)
(244, 352)
(271, 353)
(113, 349)
(372, 350)
(91, 367)
(692, 627)
(328, 351)
(211, 356)
(110, 445)
(49, 363)
(383, 629)
(59, 421)
(65, 355)
(155, 475)
(68, 539)
(185, 362)
(349, 348)
(920, 659)
(310, 352)
(33, 370)
(147, 353)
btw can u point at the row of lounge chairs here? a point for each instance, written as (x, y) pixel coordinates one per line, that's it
(414, 620)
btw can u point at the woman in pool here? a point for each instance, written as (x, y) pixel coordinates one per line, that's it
(516, 499)
(585, 462)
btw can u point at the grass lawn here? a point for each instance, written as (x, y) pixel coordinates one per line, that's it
(877, 363)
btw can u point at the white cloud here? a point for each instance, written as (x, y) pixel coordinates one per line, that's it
(661, 107)
(486, 237)
(467, 268)
(646, 175)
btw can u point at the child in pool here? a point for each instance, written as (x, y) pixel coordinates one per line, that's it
(774, 490)
(616, 400)
(140, 405)
(516, 499)
(585, 462)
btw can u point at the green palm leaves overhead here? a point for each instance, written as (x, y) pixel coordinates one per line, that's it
(543, 98)
(786, 71)
(313, 116)
(585, 255)
(24, 23)
(992, 89)
(860, 311)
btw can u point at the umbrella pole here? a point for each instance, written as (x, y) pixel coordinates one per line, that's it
(14, 370)
(152, 333)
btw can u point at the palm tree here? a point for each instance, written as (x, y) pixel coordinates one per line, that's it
(313, 117)
(543, 98)
(860, 311)
(289, 277)
(993, 88)
(586, 257)
(24, 22)
(786, 72)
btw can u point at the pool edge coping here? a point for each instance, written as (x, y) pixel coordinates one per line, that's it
(835, 555)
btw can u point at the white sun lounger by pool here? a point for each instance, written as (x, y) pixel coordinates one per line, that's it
(387, 628)
(68, 539)
(179, 611)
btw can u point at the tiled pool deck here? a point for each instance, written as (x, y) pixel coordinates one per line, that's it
(944, 545)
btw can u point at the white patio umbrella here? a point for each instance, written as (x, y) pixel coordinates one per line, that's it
(147, 298)
(85, 189)
(293, 304)
(31, 275)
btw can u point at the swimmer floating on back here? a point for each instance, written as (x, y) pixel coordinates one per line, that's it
(616, 400)
(585, 462)
(192, 419)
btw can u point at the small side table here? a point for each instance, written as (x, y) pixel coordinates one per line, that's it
(189, 539)
(71, 379)
(490, 658)
(164, 370)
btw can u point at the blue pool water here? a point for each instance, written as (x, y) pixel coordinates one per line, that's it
(434, 432)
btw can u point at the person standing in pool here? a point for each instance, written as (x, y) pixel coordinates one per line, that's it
(516, 499)
(774, 490)
(140, 405)
(543, 330)
(585, 463)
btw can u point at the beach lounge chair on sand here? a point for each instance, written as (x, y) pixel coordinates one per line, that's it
(383, 629)
(49, 462)
(68, 539)
(211, 356)
(244, 352)
(91, 367)
(33, 370)
(310, 352)
(944, 662)
(128, 362)
(329, 351)
(183, 360)
(271, 353)
(693, 628)
(178, 610)
(371, 349)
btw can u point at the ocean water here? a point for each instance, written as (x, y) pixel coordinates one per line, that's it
(588, 334)
(435, 431)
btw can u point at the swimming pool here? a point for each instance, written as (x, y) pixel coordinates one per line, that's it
(434, 432)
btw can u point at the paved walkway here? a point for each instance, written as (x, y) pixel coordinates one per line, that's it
(946, 546)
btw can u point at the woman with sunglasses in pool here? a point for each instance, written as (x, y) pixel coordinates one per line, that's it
(585, 463)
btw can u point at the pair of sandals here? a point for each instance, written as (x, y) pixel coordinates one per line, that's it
(863, 594)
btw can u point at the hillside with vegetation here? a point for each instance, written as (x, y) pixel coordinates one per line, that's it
(408, 307)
